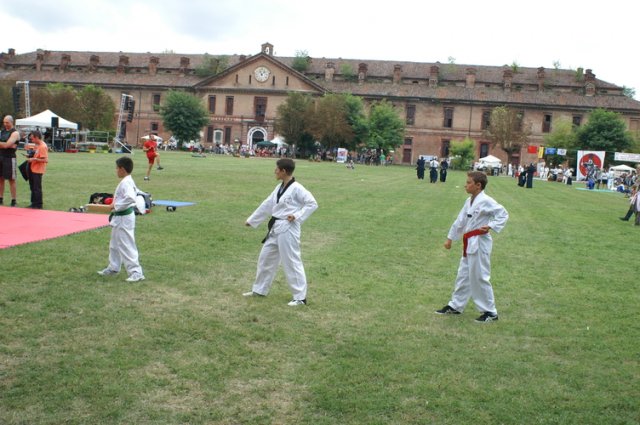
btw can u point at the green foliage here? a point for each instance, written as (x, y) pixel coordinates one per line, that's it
(386, 129)
(184, 115)
(605, 131)
(463, 153)
(515, 67)
(347, 72)
(580, 74)
(292, 121)
(212, 65)
(329, 124)
(6, 99)
(59, 98)
(629, 91)
(356, 118)
(507, 130)
(96, 108)
(301, 61)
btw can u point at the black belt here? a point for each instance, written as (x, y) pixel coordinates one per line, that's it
(272, 220)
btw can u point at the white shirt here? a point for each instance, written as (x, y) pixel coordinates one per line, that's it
(125, 195)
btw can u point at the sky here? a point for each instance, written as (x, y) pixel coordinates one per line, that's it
(600, 36)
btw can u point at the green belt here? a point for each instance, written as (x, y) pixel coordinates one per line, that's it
(124, 212)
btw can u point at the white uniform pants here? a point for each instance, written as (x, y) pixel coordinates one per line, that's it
(281, 248)
(473, 280)
(122, 246)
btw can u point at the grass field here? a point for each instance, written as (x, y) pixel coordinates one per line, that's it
(185, 347)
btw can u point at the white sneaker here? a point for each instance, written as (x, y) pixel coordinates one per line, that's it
(146, 178)
(107, 272)
(135, 278)
(252, 294)
(297, 302)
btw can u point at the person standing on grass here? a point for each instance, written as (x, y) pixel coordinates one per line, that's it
(151, 148)
(37, 167)
(480, 214)
(122, 246)
(9, 138)
(289, 205)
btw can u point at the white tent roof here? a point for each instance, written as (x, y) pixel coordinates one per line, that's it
(43, 119)
(622, 167)
(490, 158)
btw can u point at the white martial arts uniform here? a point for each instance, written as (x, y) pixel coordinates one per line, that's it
(283, 241)
(122, 246)
(474, 271)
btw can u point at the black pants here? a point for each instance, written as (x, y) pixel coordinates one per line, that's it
(35, 184)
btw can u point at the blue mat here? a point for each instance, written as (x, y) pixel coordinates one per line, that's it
(176, 204)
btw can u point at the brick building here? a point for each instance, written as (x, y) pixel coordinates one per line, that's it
(440, 103)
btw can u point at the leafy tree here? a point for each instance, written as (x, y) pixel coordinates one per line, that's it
(605, 131)
(184, 115)
(60, 99)
(96, 107)
(6, 99)
(563, 136)
(463, 153)
(386, 129)
(507, 130)
(357, 119)
(329, 124)
(291, 121)
(301, 61)
(347, 72)
(212, 65)
(629, 91)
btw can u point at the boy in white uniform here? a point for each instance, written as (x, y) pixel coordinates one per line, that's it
(122, 246)
(479, 214)
(289, 205)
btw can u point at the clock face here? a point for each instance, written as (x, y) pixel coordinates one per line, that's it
(262, 73)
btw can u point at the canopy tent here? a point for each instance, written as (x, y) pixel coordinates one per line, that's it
(279, 141)
(490, 159)
(43, 119)
(623, 168)
(265, 144)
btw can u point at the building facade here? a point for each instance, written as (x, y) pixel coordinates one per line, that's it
(440, 103)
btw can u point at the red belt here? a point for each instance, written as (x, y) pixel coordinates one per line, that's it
(466, 237)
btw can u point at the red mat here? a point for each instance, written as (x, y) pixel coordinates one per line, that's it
(23, 225)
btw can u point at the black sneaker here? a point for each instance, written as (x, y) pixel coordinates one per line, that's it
(14, 202)
(1, 201)
(624, 218)
(487, 317)
(447, 310)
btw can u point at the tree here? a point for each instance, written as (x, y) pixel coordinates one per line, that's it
(96, 108)
(563, 136)
(184, 115)
(302, 61)
(212, 65)
(629, 91)
(346, 70)
(6, 99)
(605, 131)
(507, 130)
(386, 129)
(291, 121)
(60, 99)
(357, 119)
(329, 124)
(463, 153)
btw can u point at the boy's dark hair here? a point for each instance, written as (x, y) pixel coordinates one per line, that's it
(36, 134)
(126, 163)
(478, 177)
(287, 165)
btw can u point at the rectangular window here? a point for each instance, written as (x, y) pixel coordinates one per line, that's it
(448, 118)
(634, 125)
(155, 100)
(212, 104)
(444, 149)
(546, 123)
(408, 142)
(484, 149)
(260, 108)
(486, 120)
(227, 135)
(577, 120)
(154, 126)
(209, 134)
(229, 106)
(411, 114)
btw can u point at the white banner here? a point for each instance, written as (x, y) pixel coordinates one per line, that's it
(629, 157)
(342, 155)
(588, 160)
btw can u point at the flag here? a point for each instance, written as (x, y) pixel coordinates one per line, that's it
(540, 151)
(550, 151)
(562, 152)
(532, 149)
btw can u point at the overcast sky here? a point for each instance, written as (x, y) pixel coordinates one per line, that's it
(601, 36)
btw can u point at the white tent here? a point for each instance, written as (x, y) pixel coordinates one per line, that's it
(43, 119)
(619, 170)
(490, 159)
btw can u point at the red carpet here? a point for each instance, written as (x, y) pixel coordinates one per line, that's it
(24, 225)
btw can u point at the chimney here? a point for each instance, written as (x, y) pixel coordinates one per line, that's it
(12, 53)
(242, 58)
(153, 65)
(471, 78)
(589, 83)
(64, 61)
(39, 60)
(507, 78)
(541, 78)
(267, 49)
(362, 72)
(433, 76)
(329, 70)
(184, 65)
(397, 74)
(94, 60)
(123, 64)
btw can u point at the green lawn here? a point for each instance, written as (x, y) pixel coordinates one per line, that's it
(185, 347)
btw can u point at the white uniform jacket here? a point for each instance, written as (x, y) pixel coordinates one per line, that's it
(296, 201)
(123, 198)
(485, 211)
